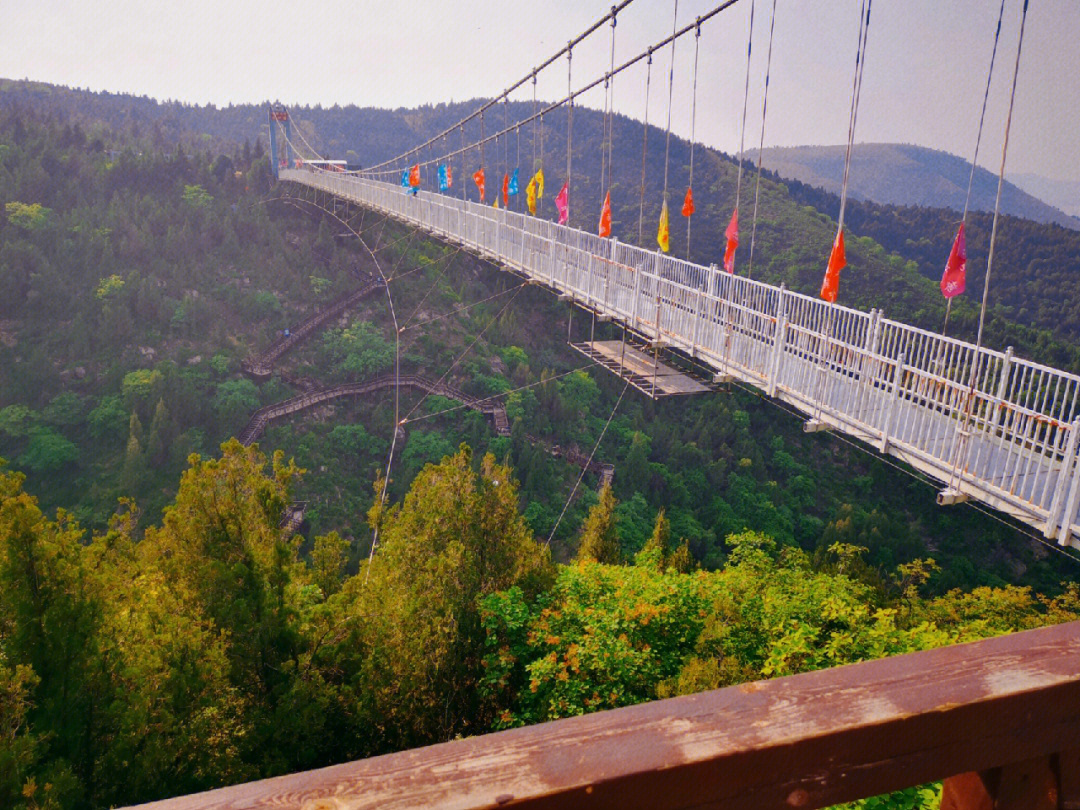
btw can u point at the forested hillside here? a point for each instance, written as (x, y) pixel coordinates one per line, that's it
(1036, 274)
(908, 175)
(792, 243)
(205, 649)
(162, 630)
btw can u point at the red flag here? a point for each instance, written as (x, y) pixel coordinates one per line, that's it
(414, 176)
(562, 202)
(506, 190)
(688, 203)
(837, 262)
(955, 276)
(605, 216)
(732, 235)
(478, 178)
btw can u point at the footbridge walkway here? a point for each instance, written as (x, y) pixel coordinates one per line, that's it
(989, 425)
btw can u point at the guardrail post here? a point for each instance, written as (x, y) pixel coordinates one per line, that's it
(1071, 505)
(636, 294)
(1003, 385)
(778, 343)
(1054, 518)
(898, 378)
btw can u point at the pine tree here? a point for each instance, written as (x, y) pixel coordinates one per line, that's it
(598, 540)
(655, 552)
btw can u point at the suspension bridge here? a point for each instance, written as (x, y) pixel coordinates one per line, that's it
(991, 427)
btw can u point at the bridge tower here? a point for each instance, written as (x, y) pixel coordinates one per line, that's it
(279, 115)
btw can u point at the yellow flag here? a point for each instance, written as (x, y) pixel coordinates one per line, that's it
(496, 203)
(539, 183)
(530, 196)
(663, 235)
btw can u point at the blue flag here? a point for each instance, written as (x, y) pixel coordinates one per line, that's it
(405, 179)
(513, 184)
(443, 182)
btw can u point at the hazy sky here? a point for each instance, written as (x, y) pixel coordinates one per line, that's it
(925, 72)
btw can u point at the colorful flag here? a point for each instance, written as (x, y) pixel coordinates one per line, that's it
(688, 203)
(496, 203)
(478, 178)
(605, 216)
(954, 278)
(530, 196)
(444, 177)
(506, 190)
(539, 178)
(732, 235)
(562, 202)
(513, 183)
(663, 233)
(414, 176)
(405, 178)
(837, 262)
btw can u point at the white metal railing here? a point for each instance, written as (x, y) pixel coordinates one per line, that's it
(1010, 440)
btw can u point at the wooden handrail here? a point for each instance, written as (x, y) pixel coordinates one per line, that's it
(803, 741)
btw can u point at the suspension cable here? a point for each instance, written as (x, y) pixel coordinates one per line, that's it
(531, 75)
(587, 463)
(978, 141)
(569, 127)
(624, 66)
(693, 131)
(746, 96)
(644, 151)
(670, 94)
(761, 142)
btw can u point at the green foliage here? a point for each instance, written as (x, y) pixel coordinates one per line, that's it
(109, 419)
(32, 217)
(109, 287)
(234, 400)
(17, 420)
(598, 541)
(47, 451)
(141, 386)
(359, 350)
(456, 538)
(197, 197)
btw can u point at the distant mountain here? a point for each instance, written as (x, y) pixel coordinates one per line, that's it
(902, 174)
(1065, 194)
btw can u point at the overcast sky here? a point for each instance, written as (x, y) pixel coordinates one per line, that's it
(926, 63)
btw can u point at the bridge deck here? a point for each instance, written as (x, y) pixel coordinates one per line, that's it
(992, 427)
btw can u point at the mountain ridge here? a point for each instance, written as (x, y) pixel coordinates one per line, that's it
(906, 174)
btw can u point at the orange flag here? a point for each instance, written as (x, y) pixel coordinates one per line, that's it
(837, 262)
(506, 190)
(414, 176)
(732, 236)
(605, 216)
(688, 203)
(478, 178)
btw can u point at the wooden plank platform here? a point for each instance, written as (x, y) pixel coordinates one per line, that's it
(654, 378)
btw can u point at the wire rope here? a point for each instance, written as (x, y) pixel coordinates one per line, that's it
(588, 463)
(761, 143)
(693, 131)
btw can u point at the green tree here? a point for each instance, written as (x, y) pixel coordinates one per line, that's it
(599, 542)
(47, 450)
(455, 538)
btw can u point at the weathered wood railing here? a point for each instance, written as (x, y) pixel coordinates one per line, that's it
(1001, 716)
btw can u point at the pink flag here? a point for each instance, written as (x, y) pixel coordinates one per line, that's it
(732, 236)
(952, 280)
(562, 202)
